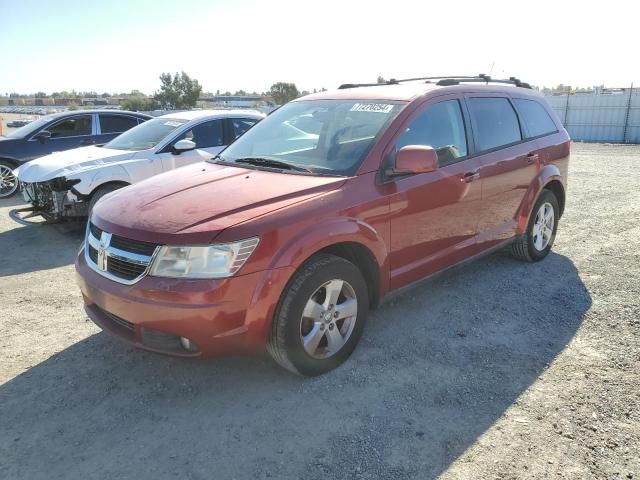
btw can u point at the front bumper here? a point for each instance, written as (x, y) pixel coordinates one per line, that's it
(222, 317)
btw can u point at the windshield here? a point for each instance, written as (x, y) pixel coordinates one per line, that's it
(146, 135)
(29, 128)
(321, 136)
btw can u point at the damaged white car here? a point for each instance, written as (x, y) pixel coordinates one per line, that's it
(67, 184)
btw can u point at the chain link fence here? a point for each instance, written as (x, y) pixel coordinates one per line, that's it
(607, 115)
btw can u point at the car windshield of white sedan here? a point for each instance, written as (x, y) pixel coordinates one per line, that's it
(316, 136)
(146, 135)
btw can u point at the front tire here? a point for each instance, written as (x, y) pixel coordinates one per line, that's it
(536, 243)
(321, 316)
(101, 192)
(8, 181)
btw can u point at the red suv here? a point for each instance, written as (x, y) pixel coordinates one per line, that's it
(314, 215)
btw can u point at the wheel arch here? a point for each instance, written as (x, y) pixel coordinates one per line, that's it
(119, 183)
(363, 259)
(558, 190)
(11, 161)
(548, 178)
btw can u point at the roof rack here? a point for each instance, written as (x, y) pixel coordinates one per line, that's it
(444, 80)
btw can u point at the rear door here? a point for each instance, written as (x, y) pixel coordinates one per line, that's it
(507, 164)
(434, 215)
(111, 125)
(209, 137)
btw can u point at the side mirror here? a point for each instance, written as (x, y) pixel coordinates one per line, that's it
(42, 136)
(413, 159)
(183, 145)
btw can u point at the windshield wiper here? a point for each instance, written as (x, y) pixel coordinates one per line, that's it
(272, 163)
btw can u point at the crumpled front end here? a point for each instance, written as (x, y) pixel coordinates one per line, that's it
(52, 200)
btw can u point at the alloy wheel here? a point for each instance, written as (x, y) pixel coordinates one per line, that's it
(328, 319)
(8, 182)
(542, 230)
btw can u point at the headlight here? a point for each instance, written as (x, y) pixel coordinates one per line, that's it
(220, 260)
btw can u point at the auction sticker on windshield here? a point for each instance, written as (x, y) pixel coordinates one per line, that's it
(172, 124)
(371, 107)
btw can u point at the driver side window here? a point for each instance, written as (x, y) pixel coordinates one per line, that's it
(441, 126)
(72, 127)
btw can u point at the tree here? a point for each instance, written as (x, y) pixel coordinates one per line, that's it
(179, 91)
(138, 103)
(381, 79)
(283, 92)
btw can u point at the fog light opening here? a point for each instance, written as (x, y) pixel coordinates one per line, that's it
(188, 344)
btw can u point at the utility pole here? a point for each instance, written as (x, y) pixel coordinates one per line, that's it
(626, 118)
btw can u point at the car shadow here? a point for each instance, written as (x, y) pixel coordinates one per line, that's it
(30, 248)
(437, 366)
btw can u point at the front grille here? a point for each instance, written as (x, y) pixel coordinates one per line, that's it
(123, 269)
(126, 244)
(93, 254)
(133, 246)
(118, 258)
(95, 231)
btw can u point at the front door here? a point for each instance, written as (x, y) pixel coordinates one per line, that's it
(209, 139)
(66, 134)
(434, 215)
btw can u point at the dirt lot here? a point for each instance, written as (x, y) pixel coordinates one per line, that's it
(9, 117)
(498, 369)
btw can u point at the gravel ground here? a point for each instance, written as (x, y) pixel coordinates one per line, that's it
(497, 369)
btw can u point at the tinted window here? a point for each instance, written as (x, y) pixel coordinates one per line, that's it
(441, 127)
(241, 125)
(71, 127)
(205, 135)
(495, 122)
(116, 123)
(535, 118)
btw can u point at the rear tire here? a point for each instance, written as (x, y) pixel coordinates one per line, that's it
(8, 181)
(101, 192)
(538, 240)
(321, 316)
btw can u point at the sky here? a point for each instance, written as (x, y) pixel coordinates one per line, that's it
(117, 45)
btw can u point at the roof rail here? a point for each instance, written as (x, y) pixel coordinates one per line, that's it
(444, 80)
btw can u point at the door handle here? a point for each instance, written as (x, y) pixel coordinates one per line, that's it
(470, 176)
(532, 157)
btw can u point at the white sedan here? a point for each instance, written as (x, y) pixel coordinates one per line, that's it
(68, 184)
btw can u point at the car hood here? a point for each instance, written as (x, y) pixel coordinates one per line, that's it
(194, 204)
(62, 164)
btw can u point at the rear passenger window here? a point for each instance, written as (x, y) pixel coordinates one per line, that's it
(494, 122)
(441, 127)
(241, 125)
(116, 123)
(535, 117)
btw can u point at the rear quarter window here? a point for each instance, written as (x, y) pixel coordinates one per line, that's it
(535, 117)
(495, 123)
